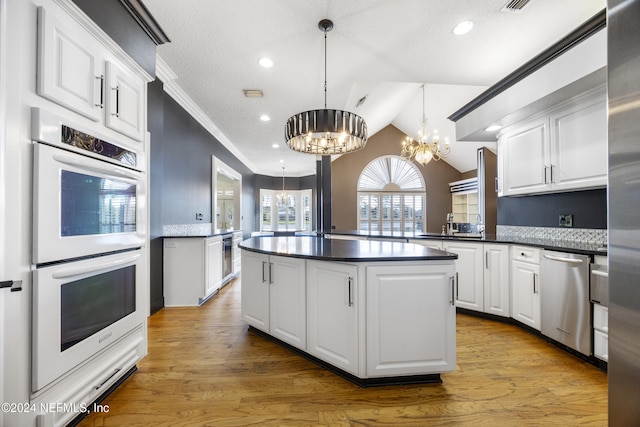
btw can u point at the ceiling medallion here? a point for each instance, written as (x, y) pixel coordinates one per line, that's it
(325, 131)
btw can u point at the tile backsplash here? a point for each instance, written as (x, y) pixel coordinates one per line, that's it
(564, 234)
(187, 229)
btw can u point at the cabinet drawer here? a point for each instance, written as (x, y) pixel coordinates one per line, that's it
(525, 254)
(601, 318)
(601, 345)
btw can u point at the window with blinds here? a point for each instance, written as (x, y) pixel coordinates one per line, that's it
(391, 196)
(293, 213)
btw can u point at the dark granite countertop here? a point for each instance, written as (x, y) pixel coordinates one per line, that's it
(199, 233)
(584, 248)
(311, 247)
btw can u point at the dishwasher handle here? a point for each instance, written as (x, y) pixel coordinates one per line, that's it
(563, 259)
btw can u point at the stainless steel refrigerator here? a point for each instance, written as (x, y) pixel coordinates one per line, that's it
(623, 62)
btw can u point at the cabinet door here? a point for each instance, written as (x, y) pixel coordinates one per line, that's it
(126, 100)
(287, 300)
(255, 290)
(579, 145)
(525, 293)
(69, 69)
(213, 265)
(496, 280)
(332, 316)
(398, 299)
(469, 269)
(525, 158)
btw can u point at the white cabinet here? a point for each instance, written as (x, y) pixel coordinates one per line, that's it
(332, 313)
(213, 265)
(523, 158)
(192, 269)
(564, 149)
(255, 290)
(525, 285)
(274, 297)
(469, 271)
(601, 332)
(482, 276)
(399, 299)
(464, 207)
(497, 298)
(78, 72)
(125, 100)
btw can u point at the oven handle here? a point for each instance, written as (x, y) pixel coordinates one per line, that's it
(76, 271)
(88, 165)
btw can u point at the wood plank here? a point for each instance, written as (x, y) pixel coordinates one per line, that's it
(205, 368)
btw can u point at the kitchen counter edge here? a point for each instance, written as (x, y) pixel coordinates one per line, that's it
(319, 248)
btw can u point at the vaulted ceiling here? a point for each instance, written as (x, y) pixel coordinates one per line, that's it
(380, 50)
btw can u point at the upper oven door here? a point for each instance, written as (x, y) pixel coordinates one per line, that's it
(83, 206)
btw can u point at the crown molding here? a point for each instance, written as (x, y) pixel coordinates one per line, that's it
(144, 18)
(173, 89)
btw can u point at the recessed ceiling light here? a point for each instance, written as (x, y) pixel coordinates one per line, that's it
(462, 28)
(275, 145)
(265, 62)
(252, 93)
(265, 118)
(281, 161)
(493, 128)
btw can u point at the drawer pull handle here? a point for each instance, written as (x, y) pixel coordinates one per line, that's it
(99, 386)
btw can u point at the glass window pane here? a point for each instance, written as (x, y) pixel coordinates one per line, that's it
(375, 207)
(363, 208)
(386, 207)
(266, 212)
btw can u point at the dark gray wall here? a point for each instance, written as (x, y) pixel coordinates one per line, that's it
(180, 176)
(589, 209)
(155, 125)
(115, 20)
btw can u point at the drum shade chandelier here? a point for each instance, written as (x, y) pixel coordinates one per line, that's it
(325, 131)
(420, 150)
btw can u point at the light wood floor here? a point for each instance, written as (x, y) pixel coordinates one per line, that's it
(205, 369)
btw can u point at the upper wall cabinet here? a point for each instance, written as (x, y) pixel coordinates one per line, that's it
(77, 72)
(564, 149)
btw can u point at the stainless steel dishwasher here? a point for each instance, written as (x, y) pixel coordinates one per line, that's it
(564, 299)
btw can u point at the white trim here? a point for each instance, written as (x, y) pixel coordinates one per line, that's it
(173, 89)
(218, 165)
(87, 23)
(3, 320)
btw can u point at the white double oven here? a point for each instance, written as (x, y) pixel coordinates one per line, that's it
(89, 228)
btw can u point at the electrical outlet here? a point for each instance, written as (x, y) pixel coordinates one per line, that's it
(565, 220)
(198, 217)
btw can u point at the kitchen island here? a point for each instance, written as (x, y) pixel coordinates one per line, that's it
(373, 312)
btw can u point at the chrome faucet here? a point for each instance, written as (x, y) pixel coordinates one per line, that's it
(450, 224)
(480, 226)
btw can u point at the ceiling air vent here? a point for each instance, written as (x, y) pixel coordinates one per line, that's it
(514, 5)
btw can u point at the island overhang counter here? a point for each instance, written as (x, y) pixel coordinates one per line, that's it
(374, 312)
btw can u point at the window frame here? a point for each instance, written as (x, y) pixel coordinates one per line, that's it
(404, 201)
(302, 211)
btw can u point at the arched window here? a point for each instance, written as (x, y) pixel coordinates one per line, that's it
(391, 196)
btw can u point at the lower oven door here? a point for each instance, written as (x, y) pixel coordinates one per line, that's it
(81, 308)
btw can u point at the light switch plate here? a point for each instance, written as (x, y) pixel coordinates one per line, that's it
(565, 220)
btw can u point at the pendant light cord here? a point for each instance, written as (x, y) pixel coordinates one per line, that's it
(325, 70)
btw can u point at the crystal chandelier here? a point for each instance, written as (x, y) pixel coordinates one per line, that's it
(421, 150)
(325, 131)
(282, 199)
